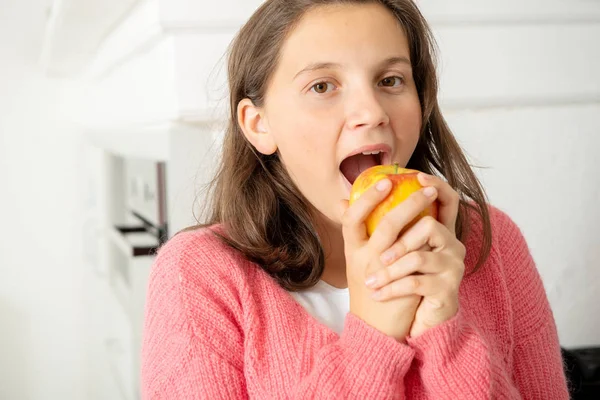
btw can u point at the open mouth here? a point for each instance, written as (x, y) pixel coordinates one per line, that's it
(354, 165)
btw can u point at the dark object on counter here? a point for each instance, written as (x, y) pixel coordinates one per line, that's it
(582, 368)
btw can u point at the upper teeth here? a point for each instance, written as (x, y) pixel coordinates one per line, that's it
(366, 153)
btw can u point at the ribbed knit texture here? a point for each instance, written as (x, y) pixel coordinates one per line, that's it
(218, 327)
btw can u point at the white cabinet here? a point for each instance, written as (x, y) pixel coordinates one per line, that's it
(128, 279)
(118, 260)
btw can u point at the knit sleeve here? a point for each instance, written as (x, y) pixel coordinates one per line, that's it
(363, 364)
(538, 365)
(201, 356)
(176, 363)
(456, 362)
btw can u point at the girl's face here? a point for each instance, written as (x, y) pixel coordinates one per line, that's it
(343, 86)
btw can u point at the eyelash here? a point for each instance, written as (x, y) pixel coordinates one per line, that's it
(312, 89)
(401, 79)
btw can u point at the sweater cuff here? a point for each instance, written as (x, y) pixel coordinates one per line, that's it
(439, 342)
(372, 347)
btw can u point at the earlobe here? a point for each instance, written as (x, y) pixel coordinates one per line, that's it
(253, 124)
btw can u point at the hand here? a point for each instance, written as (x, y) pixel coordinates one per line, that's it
(436, 275)
(363, 257)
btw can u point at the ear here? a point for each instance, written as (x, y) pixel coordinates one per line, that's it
(254, 125)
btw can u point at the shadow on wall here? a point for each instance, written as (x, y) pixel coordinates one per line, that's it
(15, 360)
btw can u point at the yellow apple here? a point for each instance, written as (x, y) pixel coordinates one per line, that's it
(404, 183)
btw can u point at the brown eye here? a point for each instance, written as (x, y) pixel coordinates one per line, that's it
(321, 87)
(391, 81)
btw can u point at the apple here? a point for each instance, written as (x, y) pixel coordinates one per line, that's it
(404, 183)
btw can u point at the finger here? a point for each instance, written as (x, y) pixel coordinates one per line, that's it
(448, 199)
(398, 250)
(427, 232)
(398, 218)
(422, 285)
(376, 266)
(414, 262)
(353, 217)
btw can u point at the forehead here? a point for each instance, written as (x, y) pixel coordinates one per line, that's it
(344, 34)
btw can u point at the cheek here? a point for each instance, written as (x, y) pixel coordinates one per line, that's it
(406, 121)
(306, 135)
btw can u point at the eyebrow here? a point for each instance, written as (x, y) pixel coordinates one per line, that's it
(329, 65)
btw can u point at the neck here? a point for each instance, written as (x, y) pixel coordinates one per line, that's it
(332, 241)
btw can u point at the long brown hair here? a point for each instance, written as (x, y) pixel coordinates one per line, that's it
(263, 213)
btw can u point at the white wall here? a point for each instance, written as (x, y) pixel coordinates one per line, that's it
(40, 261)
(41, 353)
(523, 98)
(543, 171)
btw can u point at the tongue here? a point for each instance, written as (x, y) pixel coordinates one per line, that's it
(352, 167)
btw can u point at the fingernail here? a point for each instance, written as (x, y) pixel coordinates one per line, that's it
(429, 191)
(388, 257)
(376, 295)
(382, 185)
(425, 176)
(371, 281)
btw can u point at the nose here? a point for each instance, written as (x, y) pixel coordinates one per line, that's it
(364, 110)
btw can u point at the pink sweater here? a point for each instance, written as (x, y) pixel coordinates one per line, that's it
(218, 327)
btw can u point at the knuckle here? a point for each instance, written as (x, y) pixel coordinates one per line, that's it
(399, 247)
(460, 273)
(385, 275)
(450, 298)
(462, 265)
(455, 287)
(388, 291)
(457, 266)
(439, 303)
(452, 284)
(430, 223)
(462, 250)
(414, 282)
(425, 247)
(418, 201)
(418, 258)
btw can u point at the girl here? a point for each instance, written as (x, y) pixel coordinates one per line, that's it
(283, 295)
